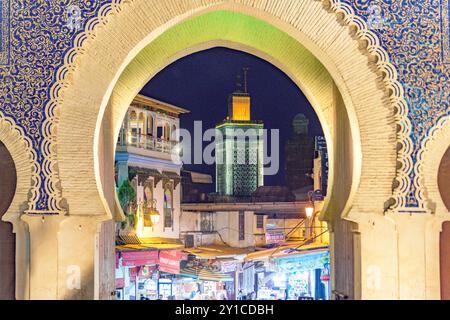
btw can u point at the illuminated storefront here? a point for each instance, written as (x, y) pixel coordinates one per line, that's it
(292, 274)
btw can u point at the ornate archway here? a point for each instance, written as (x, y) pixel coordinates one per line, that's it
(341, 79)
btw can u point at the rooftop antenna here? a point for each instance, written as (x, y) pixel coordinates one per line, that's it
(238, 83)
(245, 79)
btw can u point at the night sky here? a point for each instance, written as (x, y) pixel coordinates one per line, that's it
(203, 81)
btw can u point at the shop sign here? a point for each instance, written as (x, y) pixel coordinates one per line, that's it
(133, 272)
(303, 262)
(228, 266)
(146, 272)
(275, 237)
(169, 261)
(120, 283)
(139, 258)
(325, 275)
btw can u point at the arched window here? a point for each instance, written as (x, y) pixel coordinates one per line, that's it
(174, 130)
(168, 206)
(167, 132)
(141, 123)
(133, 122)
(150, 125)
(148, 202)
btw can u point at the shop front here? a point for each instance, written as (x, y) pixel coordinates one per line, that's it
(207, 279)
(291, 274)
(135, 274)
(147, 274)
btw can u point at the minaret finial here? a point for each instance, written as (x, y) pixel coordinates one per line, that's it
(246, 69)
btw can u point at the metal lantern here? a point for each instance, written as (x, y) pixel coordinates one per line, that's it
(155, 216)
(309, 209)
(151, 215)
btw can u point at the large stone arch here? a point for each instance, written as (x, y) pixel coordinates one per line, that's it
(22, 155)
(87, 119)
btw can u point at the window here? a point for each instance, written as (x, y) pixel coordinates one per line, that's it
(206, 222)
(160, 133)
(174, 131)
(166, 132)
(168, 206)
(260, 222)
(141, 124)
(148, 202)
(133, 123)
(241, 225)
(150, 125)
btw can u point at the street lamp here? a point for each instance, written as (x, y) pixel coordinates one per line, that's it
(309, 209)
(155, 216)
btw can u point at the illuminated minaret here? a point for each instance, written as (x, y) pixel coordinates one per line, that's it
(239, 156)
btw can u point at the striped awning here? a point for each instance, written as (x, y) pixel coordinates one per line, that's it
(205, 274)
(287, 251)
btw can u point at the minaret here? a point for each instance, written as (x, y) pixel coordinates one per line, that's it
(239, 157)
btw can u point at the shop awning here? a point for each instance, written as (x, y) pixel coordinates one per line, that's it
(139, 258)
(205, 274)
(172, 176)
(217, 252)
(287, 251)
(132, 242)
(144, 174)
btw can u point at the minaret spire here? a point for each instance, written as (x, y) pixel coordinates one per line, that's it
(246, 79)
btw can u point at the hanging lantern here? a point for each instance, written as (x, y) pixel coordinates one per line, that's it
(151, 215)
(155, 216)
(309, 210)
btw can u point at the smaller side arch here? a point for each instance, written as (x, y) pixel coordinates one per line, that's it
(433, 152)
(22, 156)
(432, 177)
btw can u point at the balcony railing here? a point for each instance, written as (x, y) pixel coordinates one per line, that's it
(147, 142)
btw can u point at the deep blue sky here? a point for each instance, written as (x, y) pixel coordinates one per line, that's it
(203, 81)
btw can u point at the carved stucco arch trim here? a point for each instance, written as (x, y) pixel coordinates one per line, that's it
(67, 74)
(432, 152)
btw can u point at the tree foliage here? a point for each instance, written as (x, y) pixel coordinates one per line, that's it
(127, 199)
